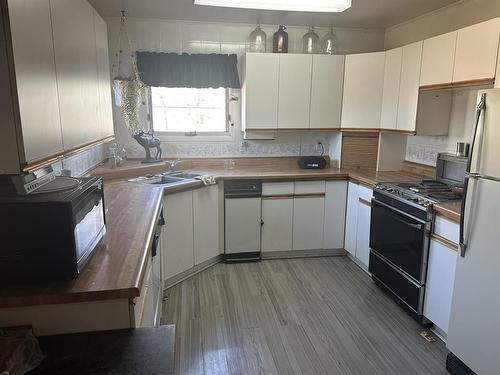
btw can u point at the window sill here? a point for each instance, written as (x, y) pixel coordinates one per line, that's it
(181, 138)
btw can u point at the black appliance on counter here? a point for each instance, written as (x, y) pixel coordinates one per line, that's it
(312, 162)
(401, 225)
(49, 227)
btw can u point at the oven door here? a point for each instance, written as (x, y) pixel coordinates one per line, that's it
(400, 238)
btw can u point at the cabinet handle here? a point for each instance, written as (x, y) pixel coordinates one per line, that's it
(365, 202)
(261, 222)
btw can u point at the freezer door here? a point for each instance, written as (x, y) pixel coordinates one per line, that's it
(474, 328)
(486, 155)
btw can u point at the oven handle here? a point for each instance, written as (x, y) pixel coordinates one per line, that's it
(415, 226)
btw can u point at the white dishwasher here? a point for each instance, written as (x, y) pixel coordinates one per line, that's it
(243, 220)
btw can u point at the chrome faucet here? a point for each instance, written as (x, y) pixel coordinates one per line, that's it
(172, 165)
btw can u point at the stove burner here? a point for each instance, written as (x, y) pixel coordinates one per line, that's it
(423, 193)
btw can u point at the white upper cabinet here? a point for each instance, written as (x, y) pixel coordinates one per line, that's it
(409, 87)
(363, 88)
(260, 74)
(105, 111)
(477, 50)
(438, 58)
(75, 55)
(294, 103)
(33, 49)
(326, 91)
(390, 97)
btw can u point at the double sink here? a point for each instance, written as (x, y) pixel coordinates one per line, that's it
(167, 179)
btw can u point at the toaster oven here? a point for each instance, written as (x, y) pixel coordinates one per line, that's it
(49, 236)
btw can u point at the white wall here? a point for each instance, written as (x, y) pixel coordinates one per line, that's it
(453, 17)
(197, 37)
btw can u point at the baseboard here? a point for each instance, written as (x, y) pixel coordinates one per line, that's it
(456, 367)
(303, 253)
(439, 333)
(170, 282)
(359, 264)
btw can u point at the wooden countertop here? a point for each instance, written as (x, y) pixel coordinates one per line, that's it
(116, 269)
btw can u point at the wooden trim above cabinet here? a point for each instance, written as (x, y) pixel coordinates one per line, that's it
(284, 196)
(461, 84)
(444, 241)
(36, 164)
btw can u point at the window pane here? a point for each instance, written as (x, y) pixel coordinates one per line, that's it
(187, 110)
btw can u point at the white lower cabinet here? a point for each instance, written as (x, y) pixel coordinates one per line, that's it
(308, 222)
(206, 223)
(243, 225)
(439, 284)
(351, 224)
(277, 228)
(178, 242)
(335, 214)
(358, 216)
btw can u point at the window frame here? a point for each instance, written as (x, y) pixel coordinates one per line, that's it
(227, 135)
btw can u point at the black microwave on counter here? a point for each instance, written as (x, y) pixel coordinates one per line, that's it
(50, 236)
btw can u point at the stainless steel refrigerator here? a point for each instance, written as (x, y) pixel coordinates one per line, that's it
(474, 330)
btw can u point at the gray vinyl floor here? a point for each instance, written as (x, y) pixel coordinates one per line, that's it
(296, 316)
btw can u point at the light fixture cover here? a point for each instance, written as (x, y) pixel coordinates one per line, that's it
(284, 5)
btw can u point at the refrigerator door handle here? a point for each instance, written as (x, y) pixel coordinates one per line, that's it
(479, 111)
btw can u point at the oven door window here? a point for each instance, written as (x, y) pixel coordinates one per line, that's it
(399, 239)
(89, 223)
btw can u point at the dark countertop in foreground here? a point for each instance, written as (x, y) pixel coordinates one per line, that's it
(116, 269)
(141, 351)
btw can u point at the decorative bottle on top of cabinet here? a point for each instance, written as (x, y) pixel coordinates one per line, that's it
(280, 40)
(257, 40)
(329, 43)
(310, 41)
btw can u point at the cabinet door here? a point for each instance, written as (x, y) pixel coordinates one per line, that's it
(363, 88)
(439, 284)
(260, 91)
(105, 113)
(326, 91)
(294, 91)
(409, 87)
(351, 224)
(390, 97)
(335, 214)
(178, 234)
(243, 225)
(308, 223)
(206, 223)
(438, 58)
(477, 50)
(363, 233)
(277, 216)
(35, 68)
(76, 69)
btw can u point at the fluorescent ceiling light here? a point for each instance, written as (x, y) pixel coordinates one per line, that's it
(285, 5)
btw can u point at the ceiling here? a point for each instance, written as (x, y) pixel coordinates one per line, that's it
(362, 14)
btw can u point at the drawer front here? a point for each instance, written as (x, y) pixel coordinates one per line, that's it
(447, 229)
(277, 188)
(309, 187)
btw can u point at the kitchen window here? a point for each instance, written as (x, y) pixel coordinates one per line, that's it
(190, 111)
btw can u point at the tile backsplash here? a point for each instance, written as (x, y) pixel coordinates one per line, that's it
(81, 163)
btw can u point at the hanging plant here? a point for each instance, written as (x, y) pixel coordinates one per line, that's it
(128, 89)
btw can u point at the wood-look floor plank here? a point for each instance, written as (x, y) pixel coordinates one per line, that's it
(294, 316)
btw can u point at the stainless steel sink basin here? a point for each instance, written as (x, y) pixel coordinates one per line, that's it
(186, 175)
(167, 179)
